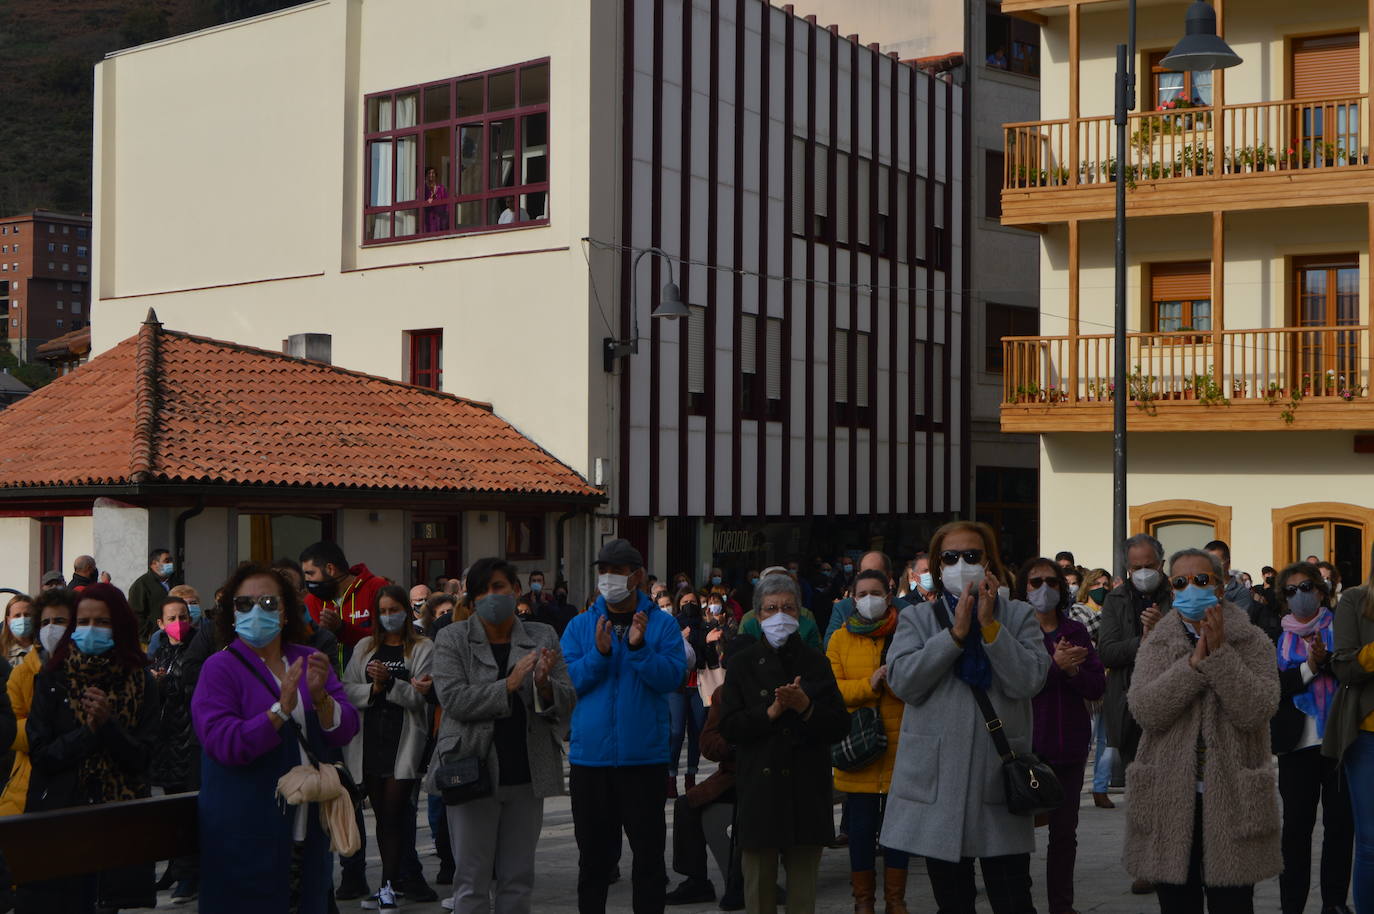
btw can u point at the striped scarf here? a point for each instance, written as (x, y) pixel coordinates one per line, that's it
(1315, 701)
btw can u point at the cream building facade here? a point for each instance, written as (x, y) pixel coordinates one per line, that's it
(1249, 215)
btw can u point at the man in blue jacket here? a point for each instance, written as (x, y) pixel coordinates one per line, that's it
(624, 657)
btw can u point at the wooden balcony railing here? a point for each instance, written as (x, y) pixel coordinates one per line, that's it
(1190, 143)
(1282, 363)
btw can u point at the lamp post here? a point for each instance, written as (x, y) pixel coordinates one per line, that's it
(1199, 50)
(670, 307)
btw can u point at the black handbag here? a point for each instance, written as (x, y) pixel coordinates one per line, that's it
(1030, 783)
(867, 739)
(463, 780)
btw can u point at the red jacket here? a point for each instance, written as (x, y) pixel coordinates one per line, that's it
(356, 606)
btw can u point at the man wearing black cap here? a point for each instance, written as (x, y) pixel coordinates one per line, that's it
(624, 658)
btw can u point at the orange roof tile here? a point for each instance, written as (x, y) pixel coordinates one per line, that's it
(165, 406)
(73, 342)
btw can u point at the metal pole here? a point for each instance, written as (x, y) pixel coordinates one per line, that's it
(1123, 103)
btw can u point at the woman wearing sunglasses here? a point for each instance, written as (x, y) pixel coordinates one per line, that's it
(1063, 724)
(1203, 813)
(946, 800)
(254, 701)
(1306, 777)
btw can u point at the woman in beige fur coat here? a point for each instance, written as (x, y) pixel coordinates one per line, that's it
(1203, 804)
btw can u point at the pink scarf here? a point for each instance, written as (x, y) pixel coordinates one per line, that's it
(1292, 623)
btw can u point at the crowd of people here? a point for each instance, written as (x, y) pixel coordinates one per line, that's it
(944, 709)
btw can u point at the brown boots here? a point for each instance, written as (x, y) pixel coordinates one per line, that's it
(865, 886)
(894, 890)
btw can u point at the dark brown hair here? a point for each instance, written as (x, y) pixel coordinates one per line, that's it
(1023, 582)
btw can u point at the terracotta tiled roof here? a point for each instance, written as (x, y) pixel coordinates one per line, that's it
(71, 343)
(165, 406)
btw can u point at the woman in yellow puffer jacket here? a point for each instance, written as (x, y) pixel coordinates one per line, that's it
(56, 609)
(857, 653)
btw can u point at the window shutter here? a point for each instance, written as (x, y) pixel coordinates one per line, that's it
(861, 369)
(696, 349)
(841, 198)
(799, 215)
(1190, 281)
(922, 229)
(884, 188)
(1326, 67)
(773, 346)
(748, 343)
(841, 367)
(822, 185)
(903, 207)
(865, 167)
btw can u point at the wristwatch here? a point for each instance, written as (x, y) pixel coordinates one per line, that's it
(278, 713)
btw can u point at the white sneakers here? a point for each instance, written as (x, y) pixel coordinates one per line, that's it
(384, 900)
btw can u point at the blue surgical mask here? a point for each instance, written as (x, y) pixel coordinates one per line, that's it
(715, 579)
(536, 586)
(1193, 602)
(195, 612)
(927, 581)
(166, 570)
(92, 640)
(391, 622)
(22, 626)
(257, 626)
(753, 582)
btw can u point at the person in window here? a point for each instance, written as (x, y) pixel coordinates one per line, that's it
(388, 679)
(509, 214)
(1305, 640)
(175, 750)
(91, 730)
(1203, 816)
(436, 213)
(781, 710)
(56, 609)
(998, 58)
(1063, 724)
(16, 638)
(946, 801)
(857, 653)
(507, 699)
(253, 703)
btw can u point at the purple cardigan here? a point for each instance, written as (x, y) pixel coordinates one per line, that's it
(1063, 726)
(230, 705)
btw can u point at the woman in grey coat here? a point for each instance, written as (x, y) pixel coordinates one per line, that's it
(947, 802)
(506, 698)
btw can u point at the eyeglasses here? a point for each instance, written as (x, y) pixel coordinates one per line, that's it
(245, 603)
(1036, 582)
(972, 556)
(1201, 580)
(1306, 587)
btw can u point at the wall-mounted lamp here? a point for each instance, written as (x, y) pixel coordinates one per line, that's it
(670, 307)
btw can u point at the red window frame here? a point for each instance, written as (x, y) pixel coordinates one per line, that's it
(50, 543)
(433, 340)
(455, 201)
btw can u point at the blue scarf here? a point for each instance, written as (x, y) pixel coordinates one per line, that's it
(973, 666)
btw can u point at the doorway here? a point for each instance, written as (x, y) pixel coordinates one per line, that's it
(1326, 293)
(436, 548)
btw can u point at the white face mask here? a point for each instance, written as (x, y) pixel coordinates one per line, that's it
(1146, 580)
(614, 587)
(49, 635)
(961, 574)
(871, 606)
(778, 627)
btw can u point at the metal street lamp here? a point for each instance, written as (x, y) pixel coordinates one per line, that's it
(1200, 50)
(670, 307)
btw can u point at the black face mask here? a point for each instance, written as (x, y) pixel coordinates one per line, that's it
(325, 590)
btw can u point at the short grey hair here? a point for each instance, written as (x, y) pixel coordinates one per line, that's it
(1215, 562)
(775, 584)
(1145, 539)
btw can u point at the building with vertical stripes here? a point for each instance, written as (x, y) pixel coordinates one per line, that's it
(461, 197)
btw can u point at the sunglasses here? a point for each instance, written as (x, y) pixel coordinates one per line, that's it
(246, 603)
(1036, 582)
(972, 556)
(1306, 587)
(1201, 580)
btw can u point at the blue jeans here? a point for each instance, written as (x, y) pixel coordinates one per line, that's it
(865, 823)
(1359, 773)
(688, 716)
(1106, 756)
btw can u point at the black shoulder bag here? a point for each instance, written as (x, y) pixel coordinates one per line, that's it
(355, 792)
(867, 739)
(1030, 784)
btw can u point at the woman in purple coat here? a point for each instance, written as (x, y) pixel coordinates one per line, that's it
(1063, 727)
(251, 699)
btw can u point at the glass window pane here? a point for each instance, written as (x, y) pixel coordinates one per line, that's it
(534, 85)
(378, 114)
(379, 226)
(407, 182)
(501, 91)
(1202, 87)
(469, 214)
(469, 160)
(470, 97)
(436, 103)
(1170, 315)
(1168, 86)
(406, 222)
(503, 211)
(436, 177)
(1312, 541)
(536, 206)
(1202, 315)
(534, 149)
(1184, 534)
(379, 168)
(501, 162)
(406, 113)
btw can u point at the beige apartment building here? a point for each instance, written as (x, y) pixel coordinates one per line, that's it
(1250, 210)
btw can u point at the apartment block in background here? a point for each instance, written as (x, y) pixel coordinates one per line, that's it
(45, 278)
